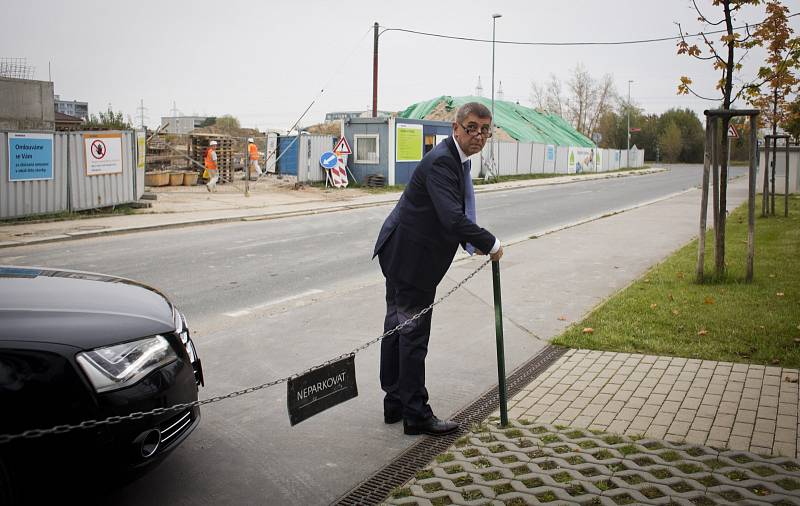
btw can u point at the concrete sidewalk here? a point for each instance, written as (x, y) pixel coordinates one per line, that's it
(617, 428)
(268, 199)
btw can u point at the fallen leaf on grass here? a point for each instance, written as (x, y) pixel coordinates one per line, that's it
(797, 339)
(588, 330)
(709, 300)
(776, 361)
(646, 280)
(670, 297)
(653, 305)
(779, 294)
(772, 275)
(790, 379)
(702, 332)
(679, 275)
(562, 318)
(675, 312)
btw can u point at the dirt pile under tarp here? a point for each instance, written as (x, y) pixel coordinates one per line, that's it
(515, 122)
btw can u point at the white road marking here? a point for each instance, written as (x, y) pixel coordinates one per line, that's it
(246, 311)
(279, 241)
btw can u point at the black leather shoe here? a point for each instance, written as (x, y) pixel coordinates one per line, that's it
(390, 418)
(432, 426)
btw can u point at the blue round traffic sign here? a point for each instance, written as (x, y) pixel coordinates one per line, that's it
(328, 159)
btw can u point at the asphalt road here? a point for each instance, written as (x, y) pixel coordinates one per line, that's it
(237, 269)
(249, 290)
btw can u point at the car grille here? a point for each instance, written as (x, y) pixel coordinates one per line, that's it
(175, 426)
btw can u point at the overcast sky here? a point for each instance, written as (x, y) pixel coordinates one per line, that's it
(264, 62)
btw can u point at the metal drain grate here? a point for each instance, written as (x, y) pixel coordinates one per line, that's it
(374, 489)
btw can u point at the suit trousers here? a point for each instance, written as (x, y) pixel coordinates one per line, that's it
(403, 352)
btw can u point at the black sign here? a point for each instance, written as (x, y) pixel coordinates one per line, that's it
(321, 389)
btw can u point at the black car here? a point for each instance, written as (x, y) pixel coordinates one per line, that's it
(78, 346)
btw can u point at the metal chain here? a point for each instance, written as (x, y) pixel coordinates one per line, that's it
(112, 420)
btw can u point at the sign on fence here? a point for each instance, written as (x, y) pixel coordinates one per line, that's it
(102, 153)
(320, 389)
(30, 157)
(141, 149)
(409, 142)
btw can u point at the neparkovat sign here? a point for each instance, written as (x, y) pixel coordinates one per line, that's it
(30, 157)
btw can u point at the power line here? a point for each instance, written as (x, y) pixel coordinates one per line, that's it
(609, 43)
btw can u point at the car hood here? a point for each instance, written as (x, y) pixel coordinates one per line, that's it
(80, 309)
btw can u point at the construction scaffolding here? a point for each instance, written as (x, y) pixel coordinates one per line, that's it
(16, 68)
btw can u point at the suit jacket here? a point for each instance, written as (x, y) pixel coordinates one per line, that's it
(419, 239)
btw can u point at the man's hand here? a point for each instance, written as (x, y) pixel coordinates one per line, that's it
(497, 255)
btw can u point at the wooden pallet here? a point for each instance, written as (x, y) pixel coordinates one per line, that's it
(198, 145)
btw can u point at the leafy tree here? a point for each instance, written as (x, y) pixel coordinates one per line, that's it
(227, 123)
(210, 121)
(725, 62)
(691, 131)
(108, 120)
(791, 121)
(783, 53)
(671, 142)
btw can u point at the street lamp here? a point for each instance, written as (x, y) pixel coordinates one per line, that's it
(494, 19)
(628, 153)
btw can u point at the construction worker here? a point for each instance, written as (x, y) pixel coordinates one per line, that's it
(211, 166)
(253, 150)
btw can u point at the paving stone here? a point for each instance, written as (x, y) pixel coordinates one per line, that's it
(749, 404)
(728, 408)
(734, 386)
(618, 426)
(685, 415)
(739, 442)
(700, 423)
(746, 416)
(641, 422)
(670, 406)
(627, 414)
(724, 420)
(767, 412)
(751, 393)
(763, 439)
(785, 449)
(605, 418)
(719, 433)
(742, 429)
(691, 403)
(769, 401)
(785, 435)
(593, 409)
(786, 421)
(707, 410)
(636, 402)
(679, 428)
(696, 436)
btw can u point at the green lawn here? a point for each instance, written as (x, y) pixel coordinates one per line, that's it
(667, 313)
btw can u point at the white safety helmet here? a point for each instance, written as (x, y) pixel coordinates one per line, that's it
(212, 143)
(250, 139)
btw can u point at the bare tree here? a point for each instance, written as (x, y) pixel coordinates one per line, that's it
(585, 102)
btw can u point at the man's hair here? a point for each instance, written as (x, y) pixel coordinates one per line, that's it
(475, 108)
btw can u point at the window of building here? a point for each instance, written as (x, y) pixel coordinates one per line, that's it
(366, 148)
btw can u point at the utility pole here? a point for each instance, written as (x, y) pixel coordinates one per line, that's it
(628, 152)
(375, 72)
(141, 110)
(491, 158)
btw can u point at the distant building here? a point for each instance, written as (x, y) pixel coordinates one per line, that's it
(65, 122)
(181, 124)
(72, 108)
(333, 116)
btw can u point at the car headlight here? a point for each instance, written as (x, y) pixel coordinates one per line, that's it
(122, 365)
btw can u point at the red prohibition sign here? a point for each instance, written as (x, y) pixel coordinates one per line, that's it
(98, 149)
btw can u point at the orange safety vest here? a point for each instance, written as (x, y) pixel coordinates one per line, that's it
(210, 163)
(253, 149)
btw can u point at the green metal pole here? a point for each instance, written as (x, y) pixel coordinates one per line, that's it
(501, 359)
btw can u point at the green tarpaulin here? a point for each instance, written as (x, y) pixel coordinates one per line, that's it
(522, 123)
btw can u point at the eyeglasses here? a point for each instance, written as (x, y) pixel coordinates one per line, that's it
(473, 130)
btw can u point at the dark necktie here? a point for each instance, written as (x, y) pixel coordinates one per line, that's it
(469, 200)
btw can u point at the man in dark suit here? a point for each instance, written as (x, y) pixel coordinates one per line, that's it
(415, 247)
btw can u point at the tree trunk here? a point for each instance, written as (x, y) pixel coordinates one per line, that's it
(723, 187)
